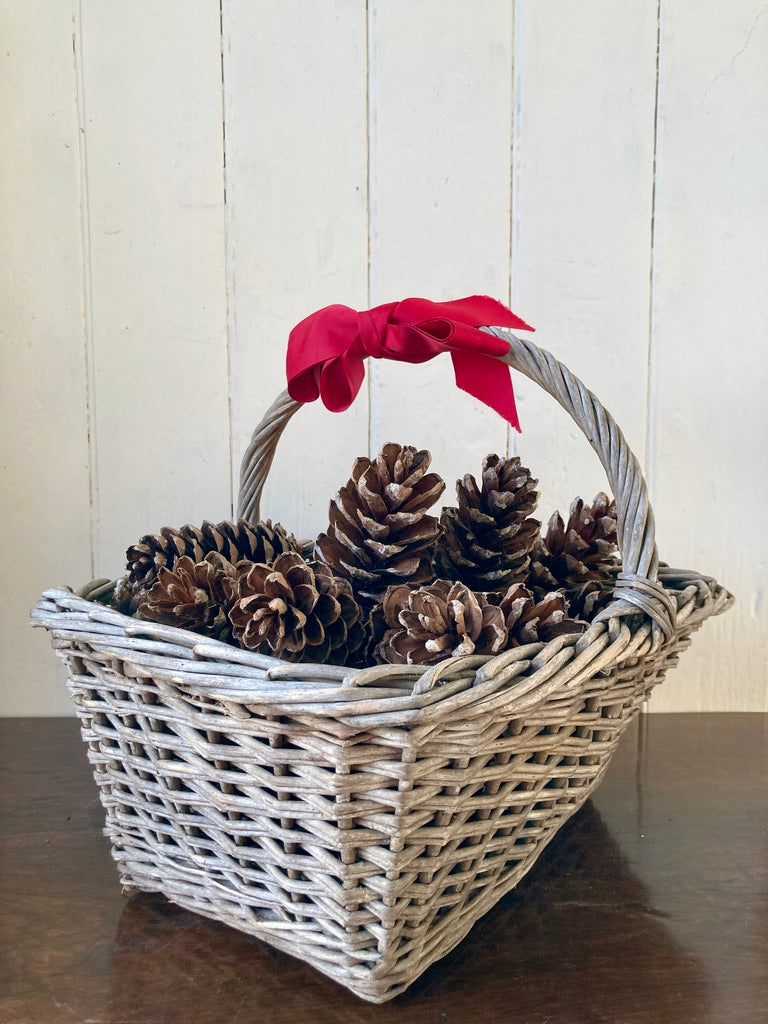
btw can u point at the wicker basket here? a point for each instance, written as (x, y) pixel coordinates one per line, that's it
(363, 820)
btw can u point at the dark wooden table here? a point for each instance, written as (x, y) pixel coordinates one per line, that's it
(651, 905)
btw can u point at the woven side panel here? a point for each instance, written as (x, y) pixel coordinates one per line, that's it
(370, 856)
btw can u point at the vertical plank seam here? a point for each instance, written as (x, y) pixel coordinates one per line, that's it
(86, 298)
(227, 330)
(651, 397)
(651, 361)
(513, 438)
(368, 289)
(508, 430)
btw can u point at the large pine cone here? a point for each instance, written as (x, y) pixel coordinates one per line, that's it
(297, 611)
(235, 541)
(379, 533)
(528, 620)
(486, 542)
(428, 624)
(192, 596)
(578, 558)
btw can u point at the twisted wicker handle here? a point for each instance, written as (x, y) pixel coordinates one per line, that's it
(636, 586)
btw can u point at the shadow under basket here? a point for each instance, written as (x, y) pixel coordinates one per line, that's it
(363, 820)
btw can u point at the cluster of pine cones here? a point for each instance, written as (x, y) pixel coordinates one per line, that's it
(386, 582)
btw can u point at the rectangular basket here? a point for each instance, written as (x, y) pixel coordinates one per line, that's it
(363, 820)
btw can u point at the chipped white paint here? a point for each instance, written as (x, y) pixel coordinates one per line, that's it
(369, 152)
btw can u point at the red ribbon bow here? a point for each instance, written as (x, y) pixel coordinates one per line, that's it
(327, 349)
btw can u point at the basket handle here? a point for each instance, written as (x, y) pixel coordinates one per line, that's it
(637, 587)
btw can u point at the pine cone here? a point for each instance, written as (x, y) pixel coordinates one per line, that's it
(486, 542)
(428, 624)
(376, 626)
(192, 596)
(379, 534)
(235, 541)
(528, 620)
(296, 610)
(578, 559)
(124, 596)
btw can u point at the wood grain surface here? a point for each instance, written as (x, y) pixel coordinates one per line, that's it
(650, 906)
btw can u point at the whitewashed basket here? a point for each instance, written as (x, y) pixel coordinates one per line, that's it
(363, 820)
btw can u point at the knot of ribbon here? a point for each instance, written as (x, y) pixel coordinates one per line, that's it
(326, 351)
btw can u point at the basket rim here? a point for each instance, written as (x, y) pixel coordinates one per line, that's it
(520, 678)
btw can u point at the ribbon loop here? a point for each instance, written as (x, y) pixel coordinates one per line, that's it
(326, 351)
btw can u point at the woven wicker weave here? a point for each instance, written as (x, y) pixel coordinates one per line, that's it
(363, 820)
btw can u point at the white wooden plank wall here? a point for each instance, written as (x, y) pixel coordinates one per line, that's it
(297, 239)
(709, 413)
(583, 173)
(44, 493)
(182, 182)
(440, 134)
(156, 316)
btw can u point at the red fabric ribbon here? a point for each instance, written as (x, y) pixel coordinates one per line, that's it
(327, 349)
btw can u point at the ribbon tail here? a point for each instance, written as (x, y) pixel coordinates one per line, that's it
(482, 310)
(341, 380)
(489, 381)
